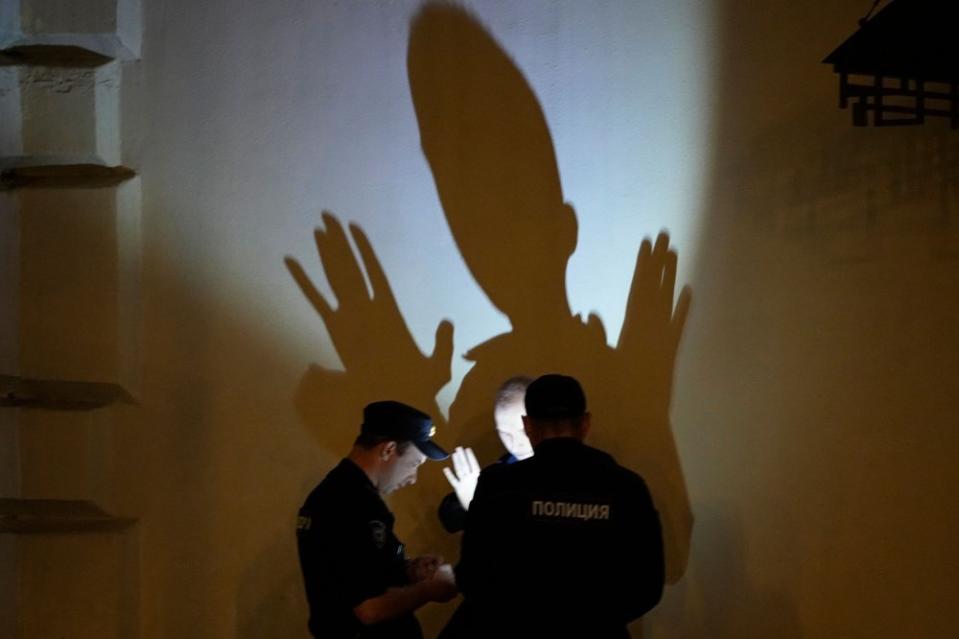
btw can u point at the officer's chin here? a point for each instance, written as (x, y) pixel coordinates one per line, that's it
(389, 490)
(403, 484)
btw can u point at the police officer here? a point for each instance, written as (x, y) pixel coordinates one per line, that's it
(566, 543)
(358, 580)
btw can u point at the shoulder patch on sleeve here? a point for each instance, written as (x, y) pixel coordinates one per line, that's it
(378, 531)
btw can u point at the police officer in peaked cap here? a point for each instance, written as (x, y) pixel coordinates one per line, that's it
(566, 543)
(359, 582)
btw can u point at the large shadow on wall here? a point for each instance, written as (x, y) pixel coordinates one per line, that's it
(488, 145)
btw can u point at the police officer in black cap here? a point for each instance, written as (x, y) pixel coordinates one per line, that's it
(566, 543)
(358, 580)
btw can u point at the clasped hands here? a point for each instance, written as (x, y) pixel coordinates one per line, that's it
(433, 572)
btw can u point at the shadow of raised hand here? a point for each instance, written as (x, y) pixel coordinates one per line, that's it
(644, 364)
(380, 357)
(652, 328)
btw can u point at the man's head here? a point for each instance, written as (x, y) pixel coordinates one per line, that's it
(555, 407)
(394, 441)
(508, 415)
(488, 145)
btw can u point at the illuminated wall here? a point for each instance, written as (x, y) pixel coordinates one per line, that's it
(810, 431)
(259, 120)
(819, 373)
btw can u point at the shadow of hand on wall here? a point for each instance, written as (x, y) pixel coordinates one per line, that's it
(639, 390)
(488, 145)
(380, 358)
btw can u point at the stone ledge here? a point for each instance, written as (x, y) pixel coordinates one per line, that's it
(80, 49)
(41, 175)
(39, 516)
(52, 55)
(18, 392)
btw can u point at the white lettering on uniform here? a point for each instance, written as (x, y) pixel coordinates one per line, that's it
(571, 510)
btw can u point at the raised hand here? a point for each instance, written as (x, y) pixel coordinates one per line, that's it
(366, 326)
(465, 474)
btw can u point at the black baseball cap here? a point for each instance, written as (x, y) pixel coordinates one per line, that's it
(402, 423)
(555, 397)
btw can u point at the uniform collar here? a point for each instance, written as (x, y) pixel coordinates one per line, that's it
(559, 444)
(355, 475)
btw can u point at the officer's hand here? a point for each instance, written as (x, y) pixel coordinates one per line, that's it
(465, 474)
(442, 585)
(422, 567)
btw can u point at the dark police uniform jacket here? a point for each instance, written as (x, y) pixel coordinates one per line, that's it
(566, 543)
(348, 554)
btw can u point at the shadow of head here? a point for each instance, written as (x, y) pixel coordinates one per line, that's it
(489, 148)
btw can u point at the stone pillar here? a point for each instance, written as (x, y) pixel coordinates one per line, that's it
(69, 352)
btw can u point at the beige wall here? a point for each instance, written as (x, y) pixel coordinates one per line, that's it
(256, 121)
(819, 375)
(9, 316)
(815, 386)
(9, 450)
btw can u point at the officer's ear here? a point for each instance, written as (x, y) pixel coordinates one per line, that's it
(532, 433)
(387, 450)
(585, 424)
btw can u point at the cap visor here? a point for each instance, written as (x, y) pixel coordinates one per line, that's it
(431, 450)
